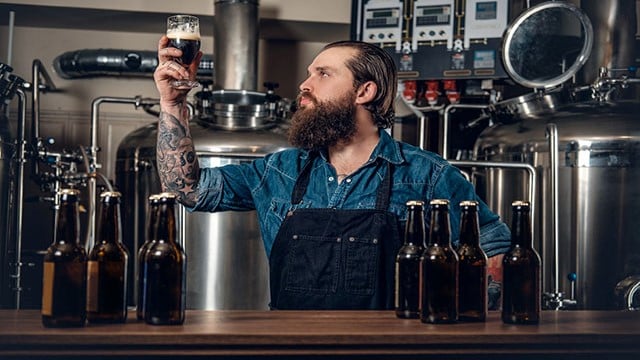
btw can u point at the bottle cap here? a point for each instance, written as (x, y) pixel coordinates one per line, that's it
(72, 192)
(440, 202)
(469, 203)
(415, 203)
(106, 194)
(167, 196)
(520, 203)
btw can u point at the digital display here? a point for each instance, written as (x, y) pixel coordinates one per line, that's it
(433, 15)
(382, 18)
(487, 10)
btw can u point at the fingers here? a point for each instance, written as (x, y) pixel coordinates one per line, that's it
(165, 52)
(173, 70)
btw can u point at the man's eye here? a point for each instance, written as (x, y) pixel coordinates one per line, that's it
(324, 73)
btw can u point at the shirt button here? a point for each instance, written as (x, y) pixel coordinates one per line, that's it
(348, 180)
(331, 178)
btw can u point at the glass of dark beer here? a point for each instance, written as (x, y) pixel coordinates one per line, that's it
(183, 32)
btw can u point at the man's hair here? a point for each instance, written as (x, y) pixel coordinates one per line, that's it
(371, 63)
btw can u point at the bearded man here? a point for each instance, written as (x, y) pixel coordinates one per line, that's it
(331, 210)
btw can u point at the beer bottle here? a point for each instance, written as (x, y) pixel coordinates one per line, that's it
(165, 270)
(521, 292)
(407, 301)
(152, 226)
(107, 266)
(64, 284)
(439, 269)
(472, 280)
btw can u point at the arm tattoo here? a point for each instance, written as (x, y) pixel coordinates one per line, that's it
(176, 156)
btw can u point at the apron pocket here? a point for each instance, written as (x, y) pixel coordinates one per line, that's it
(313, 264)
(362, 265)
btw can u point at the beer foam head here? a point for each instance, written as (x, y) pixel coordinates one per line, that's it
(184, 35)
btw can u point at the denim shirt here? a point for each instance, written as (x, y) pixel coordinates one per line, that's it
(266, 185)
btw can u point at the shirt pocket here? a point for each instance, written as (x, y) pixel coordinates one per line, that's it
(314, 264)
(361, 267)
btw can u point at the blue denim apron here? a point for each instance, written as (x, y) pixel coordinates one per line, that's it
(335, 258)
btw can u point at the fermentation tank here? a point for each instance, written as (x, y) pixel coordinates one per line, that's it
(589, 198)
(227, 268)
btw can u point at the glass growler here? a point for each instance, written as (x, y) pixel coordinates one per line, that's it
(439, 269)
(107, 266)
(521, 290)
(64, 284)
(472, 277)
(165, 265)
(154, 201)
(407, 279)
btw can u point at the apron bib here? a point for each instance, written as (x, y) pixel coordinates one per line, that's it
(333, 258)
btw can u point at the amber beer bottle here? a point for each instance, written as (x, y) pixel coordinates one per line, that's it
(165, 270)
(152, 226)
(107, 266)
(439, 269)
(407, 294)
(521, 292)
(64, 284)
(472, 277)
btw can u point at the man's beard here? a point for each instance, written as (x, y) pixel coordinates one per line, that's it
(324, 124)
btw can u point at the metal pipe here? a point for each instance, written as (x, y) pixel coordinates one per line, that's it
(21, 143)
(235, 29)
(508, 165)
(445, 126)
(552, 135)
(12, 24)
(37, 70)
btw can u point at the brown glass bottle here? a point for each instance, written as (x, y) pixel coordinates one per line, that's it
(439, 269)
(64, 284)
(472, 266)
(165, 270)
(107, 266)
(521, 291)
(152, 226)
(407, 274)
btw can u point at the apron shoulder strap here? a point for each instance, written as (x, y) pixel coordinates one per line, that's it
(302, 181)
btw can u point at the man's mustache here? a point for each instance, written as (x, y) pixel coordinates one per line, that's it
(306, 95)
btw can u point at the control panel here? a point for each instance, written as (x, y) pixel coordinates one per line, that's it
(433, 22)
(484, 20)
(382, 20)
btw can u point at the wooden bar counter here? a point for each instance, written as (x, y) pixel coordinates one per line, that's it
(339, 334)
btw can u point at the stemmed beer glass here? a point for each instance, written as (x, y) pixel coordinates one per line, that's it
(183, 32)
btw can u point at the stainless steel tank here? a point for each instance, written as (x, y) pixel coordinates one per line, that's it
(5, 165)
(598, 164)
(599, 200)
(227, 268)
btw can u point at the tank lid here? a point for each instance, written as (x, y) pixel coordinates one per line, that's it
(547, 44)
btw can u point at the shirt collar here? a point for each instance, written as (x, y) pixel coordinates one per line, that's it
(387, 149)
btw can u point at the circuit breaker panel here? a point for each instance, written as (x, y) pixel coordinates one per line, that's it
(436, 39)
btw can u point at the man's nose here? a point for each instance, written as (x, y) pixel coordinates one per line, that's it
(305, 86)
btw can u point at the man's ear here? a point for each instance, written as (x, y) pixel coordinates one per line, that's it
(366, 92)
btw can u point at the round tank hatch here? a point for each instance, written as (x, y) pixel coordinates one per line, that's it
(547, 44)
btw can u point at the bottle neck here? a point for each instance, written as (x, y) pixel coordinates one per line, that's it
(152, 226)
(521, 229)
(469, 228)
(439, 229)
(110, 226)
(67, 223)
(414, 232)
(166, 229)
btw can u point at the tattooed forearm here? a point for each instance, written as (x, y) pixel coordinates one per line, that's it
(176, 156)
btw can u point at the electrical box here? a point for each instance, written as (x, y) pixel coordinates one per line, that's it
(436, 39)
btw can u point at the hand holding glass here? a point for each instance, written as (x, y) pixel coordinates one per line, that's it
(183, 32)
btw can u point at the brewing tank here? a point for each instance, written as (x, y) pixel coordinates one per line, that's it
(599, 200)
(227, 268)
(6, 152)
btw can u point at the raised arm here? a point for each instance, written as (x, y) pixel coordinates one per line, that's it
(175, 153)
